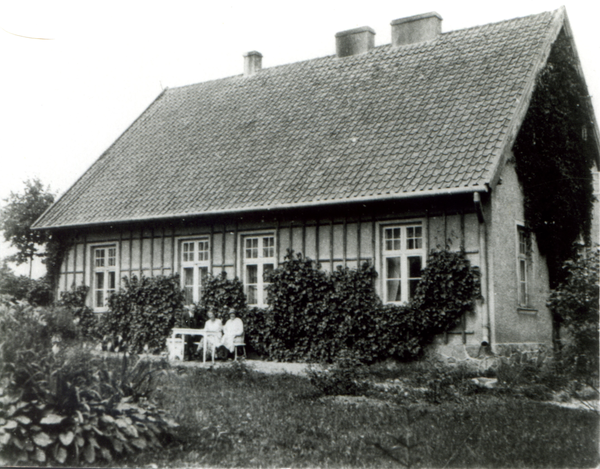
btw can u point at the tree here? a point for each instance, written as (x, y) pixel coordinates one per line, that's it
(17, 217)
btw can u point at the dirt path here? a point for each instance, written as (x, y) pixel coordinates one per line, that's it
(256, 365)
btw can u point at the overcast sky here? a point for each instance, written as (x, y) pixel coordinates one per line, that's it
(75, 74)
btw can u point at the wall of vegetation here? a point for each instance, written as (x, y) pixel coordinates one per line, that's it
(142, 314)
(313, 315)
(554, 153)
(316, 316)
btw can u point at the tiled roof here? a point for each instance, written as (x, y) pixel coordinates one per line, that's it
(396, 121)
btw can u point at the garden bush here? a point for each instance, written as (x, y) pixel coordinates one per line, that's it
(298, 317)
(91, 325)
(345, 378)
(256, 331)
(63, 405)
(316, 316)
(221, 294)
(36, 291)
(142, 314)
(218, 294)
(447, 290)
(575, 303)
(11, 284)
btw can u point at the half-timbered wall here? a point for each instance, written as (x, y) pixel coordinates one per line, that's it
(332, 240)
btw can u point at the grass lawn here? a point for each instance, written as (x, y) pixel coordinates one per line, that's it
(235, 417)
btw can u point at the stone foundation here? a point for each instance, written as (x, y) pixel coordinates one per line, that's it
(482, 358)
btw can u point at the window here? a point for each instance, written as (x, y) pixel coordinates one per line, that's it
(524, 265)
(104, 275)
(403, 255)
(259, 260)
(195, 261)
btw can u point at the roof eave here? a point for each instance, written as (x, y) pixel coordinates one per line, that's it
(318, 203)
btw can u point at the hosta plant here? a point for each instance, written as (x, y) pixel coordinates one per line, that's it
(66, 405)
(96, 430)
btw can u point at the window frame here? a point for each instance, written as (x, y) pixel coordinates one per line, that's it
(195, 263)
(105, 269)
(526, 259)
(260, 261)
(404, 253)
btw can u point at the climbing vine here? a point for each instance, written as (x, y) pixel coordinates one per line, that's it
(318, 316)
(554, 154)
(56, 249)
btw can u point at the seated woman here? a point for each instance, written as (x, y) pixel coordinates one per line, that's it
(215, 327)
(232, 333)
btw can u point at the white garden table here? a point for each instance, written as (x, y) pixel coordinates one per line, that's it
(183, 331)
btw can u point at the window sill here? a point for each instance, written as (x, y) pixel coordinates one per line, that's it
(527, 310)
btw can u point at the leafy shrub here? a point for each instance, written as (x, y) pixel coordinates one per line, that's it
(40, 292)
(66, 405)
(344, 379)
(256, 331)
(220, 295)
(448, 286)
(143, 313)
(91, 325)
(36, 291)
(13, 285)
(358, 316)
(449, 384)
(315, 316)
(575, 303)
(298, 306)
(550, 147)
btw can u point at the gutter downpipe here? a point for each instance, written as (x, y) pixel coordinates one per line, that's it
(485, 342)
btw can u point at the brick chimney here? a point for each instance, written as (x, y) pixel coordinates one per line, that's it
(419, 28)
(252, 63)
(354, 41)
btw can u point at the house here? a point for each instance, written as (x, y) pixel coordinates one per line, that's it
(377, 154)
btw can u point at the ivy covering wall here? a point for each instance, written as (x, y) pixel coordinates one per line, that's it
(554, 154)
(144, 311)
(316, 316)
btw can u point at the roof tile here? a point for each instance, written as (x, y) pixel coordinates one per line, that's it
(394, 120)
